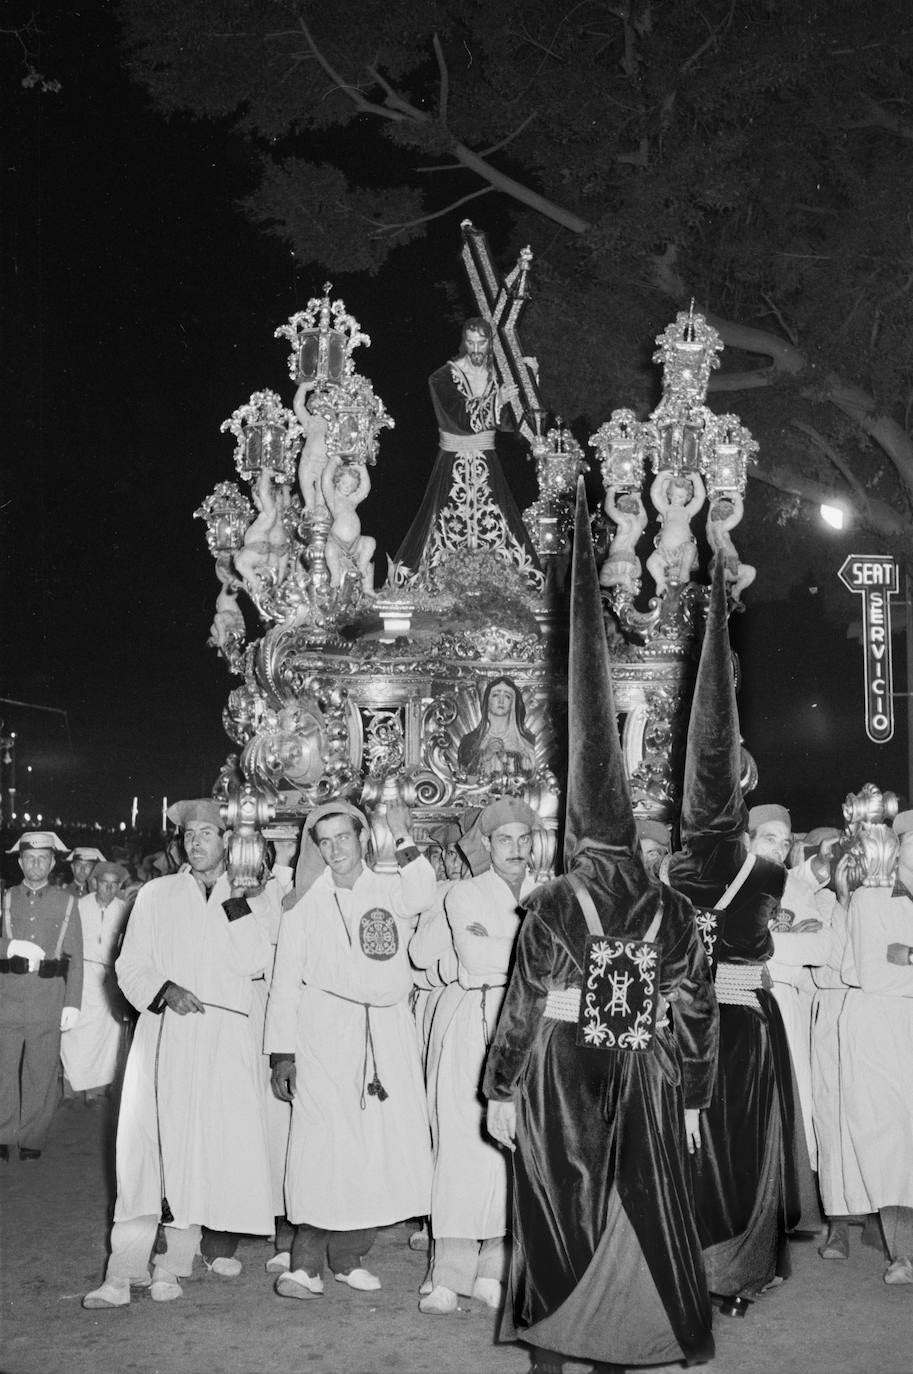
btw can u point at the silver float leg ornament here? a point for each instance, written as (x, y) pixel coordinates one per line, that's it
(245, 813)
(379, 792)
(868, 840)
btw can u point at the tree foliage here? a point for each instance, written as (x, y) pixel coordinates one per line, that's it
(755, 154)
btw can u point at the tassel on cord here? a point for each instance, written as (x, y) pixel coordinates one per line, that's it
(375, 1088)
(167, 1216)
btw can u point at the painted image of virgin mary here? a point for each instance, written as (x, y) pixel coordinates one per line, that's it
(500, 744)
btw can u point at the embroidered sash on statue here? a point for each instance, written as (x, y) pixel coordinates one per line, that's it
(620, 995)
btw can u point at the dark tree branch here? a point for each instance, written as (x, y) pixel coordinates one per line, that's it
(790, 333)
(444, 88)
(353, 92)
(881, 519)
(714, 34)
(496, 147)
(396, 101)
(880, 118)
(396, 107)
(833, 454)
(424, 219)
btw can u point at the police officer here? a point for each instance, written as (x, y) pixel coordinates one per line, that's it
(40, 993)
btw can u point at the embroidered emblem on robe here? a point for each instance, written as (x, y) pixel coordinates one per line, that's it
(708, 929)
(620, 993)
(377, 934)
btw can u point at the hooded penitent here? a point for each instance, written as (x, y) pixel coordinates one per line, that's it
(606, 1260)
(751, 1177)
(714, 817)
(600, 836)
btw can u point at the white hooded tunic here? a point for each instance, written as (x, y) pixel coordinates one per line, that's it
(339, 1000)
(469, 1195)
(89, 1051)
(202, 1067)
(876, 1036)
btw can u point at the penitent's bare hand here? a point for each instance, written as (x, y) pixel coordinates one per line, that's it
(501, 1122)
(283, 1079)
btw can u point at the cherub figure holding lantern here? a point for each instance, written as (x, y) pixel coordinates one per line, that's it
(345, 486)
(677, 498)
(622, 566)
(726, 510)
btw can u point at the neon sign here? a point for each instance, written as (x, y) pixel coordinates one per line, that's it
(874, 578)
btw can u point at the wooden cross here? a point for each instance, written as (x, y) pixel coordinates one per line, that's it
(500, 300)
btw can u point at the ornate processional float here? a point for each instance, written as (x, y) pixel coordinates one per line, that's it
(446, 687)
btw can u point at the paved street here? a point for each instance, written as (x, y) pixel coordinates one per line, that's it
(829, 1319)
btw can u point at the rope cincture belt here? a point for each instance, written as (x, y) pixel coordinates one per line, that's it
(563, 1004)
(167, 1216)
(466, 443)
(375, 1088)
(736, 984)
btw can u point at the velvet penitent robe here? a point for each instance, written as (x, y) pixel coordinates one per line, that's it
(606, 1262)
(752, 1178)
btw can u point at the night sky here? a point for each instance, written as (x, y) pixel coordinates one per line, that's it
(139, 313)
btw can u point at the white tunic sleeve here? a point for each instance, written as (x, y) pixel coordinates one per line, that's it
(280, 1032)
(416, 890)
(482, 956)
(139, 972)
(432, 940)
(872, 927)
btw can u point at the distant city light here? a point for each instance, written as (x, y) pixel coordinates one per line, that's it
(835, 516)
(26, 816)
(123, 825)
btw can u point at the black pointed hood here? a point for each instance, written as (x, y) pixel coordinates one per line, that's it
(600, 840)
(714, 817)
(712, 802)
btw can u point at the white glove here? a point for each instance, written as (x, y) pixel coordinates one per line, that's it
(68, 1018)
(26, 949)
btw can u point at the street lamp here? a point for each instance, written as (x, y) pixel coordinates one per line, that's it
(835, 516)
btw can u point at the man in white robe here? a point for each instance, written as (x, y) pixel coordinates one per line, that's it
(843, 1194)
(191, 1140)
(876, 1033)
(802, 939)
(89, 1049)
(431, 951)
(344, 1049)
(277, 1114)
(469, 1191)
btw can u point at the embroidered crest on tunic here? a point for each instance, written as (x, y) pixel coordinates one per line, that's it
(620, 994)
(377, 934)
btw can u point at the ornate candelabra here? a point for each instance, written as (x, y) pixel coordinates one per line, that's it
(559, 460)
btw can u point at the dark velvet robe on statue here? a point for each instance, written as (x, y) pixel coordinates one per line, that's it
(752, 1179)
(606, 1261)
(450, 516)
